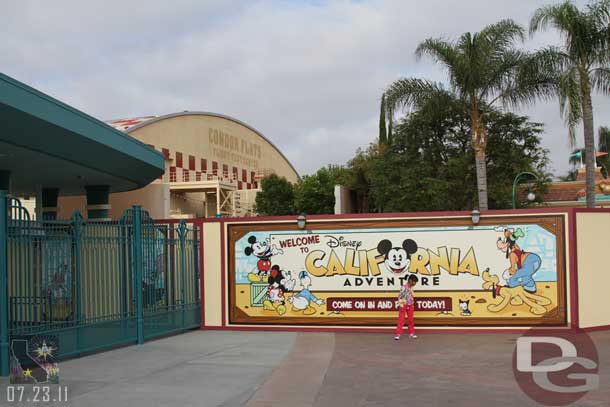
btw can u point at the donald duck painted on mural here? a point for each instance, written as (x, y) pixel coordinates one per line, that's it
(301, 301)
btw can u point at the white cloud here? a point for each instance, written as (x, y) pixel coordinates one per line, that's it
(307, 74)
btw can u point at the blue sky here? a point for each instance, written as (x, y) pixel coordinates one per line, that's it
(307, 74)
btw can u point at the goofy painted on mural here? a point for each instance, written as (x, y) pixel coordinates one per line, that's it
(523, 265)
(519, 286)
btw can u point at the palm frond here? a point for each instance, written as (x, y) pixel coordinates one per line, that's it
(525, 77)
(496, 45)
(570, 103)
(585, 56)
(501, 35)
(442, 52)
(600, 80)
(560, 16)
(585, 33)
(470, 67)
(412, 93)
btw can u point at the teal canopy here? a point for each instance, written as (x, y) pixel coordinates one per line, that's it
(48, 143)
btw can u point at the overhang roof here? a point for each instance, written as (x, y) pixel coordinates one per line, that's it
(48, 143)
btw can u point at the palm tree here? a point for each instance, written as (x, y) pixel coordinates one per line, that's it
(603, 142)
(581, 66)
(483, 69)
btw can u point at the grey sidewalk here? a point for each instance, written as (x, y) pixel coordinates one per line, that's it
(200, 368)
(267, 369)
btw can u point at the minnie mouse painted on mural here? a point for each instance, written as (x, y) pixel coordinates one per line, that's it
(280, 282)
(264, 251)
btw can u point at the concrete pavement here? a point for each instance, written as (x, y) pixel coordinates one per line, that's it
(195, 369)
(258, 369)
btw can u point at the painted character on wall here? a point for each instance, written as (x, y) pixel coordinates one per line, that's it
(464, 310)
(523, 265)
(513, 296)
(280, 282)
(263, 251)
(302, 300)
(397, 259)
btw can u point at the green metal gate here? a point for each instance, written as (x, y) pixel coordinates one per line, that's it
(171, 298)
(96, 285)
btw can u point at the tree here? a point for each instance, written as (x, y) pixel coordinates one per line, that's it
(569, 177)
(383, 136)
(357, 178)
(430, 164)
(580, 67)
(315, 194)
(276, 197)
(483, 69)
(603, 142)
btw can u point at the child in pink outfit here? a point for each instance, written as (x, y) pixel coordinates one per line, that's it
(406, 305)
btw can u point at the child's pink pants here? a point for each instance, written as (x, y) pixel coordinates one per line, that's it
(402, 310)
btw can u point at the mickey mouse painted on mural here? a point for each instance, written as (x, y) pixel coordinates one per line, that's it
(397, 259)
(264, 251)
(280, 282)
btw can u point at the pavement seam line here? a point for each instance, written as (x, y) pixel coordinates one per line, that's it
(303, 342)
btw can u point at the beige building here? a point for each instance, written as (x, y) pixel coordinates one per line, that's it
(213, 165)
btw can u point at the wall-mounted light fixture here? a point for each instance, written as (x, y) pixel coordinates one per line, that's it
(475, 216)
(301, 221)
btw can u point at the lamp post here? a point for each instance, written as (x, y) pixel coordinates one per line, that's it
(530, 196)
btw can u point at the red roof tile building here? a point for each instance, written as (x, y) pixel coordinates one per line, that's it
(572, 193)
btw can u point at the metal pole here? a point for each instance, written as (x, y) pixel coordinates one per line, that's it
(196, 262)
(182, 231)
(4, 337)
(515, 185)
(137, 260)
(77, 223)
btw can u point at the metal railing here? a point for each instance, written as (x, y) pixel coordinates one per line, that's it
(198, 176)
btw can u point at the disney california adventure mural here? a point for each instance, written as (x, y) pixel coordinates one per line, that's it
(341, 273)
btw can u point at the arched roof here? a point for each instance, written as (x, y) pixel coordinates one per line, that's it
(129, 125)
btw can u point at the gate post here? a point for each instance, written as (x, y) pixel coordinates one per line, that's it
(137, 259)
(77, 224)
(182, 231)
(4, 337)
